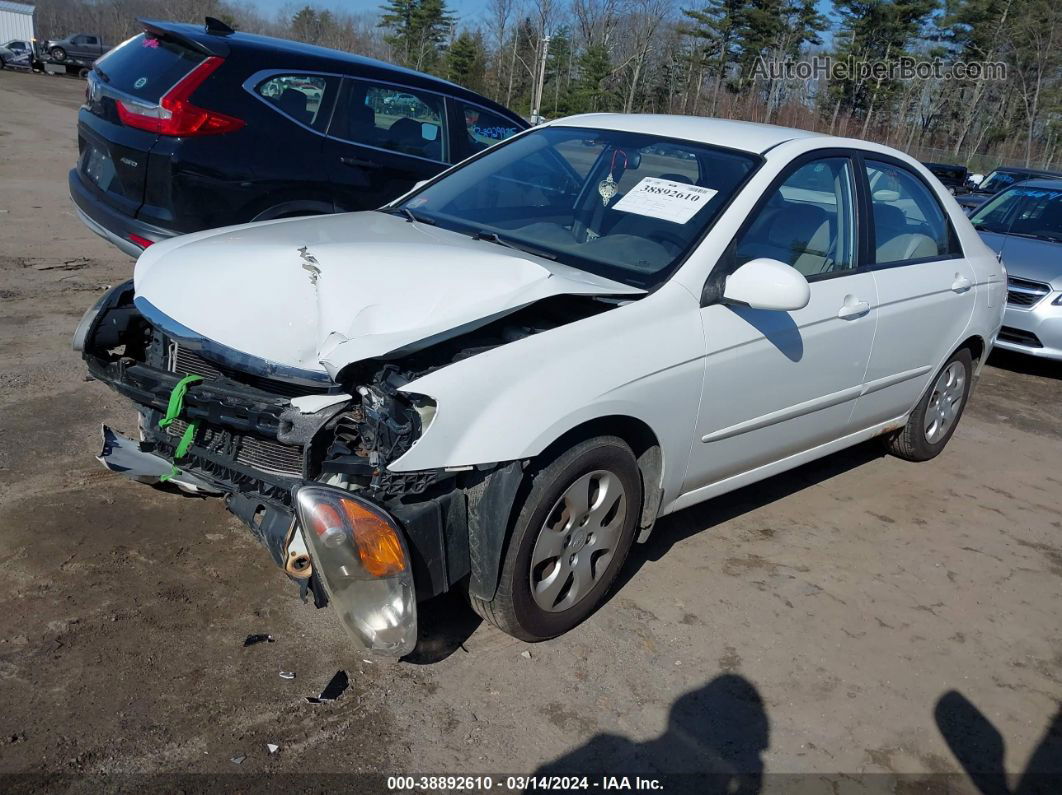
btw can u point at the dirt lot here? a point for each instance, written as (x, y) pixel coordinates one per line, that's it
(860, 615)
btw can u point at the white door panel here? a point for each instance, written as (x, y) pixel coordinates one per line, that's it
(923, 311)
(779, 383)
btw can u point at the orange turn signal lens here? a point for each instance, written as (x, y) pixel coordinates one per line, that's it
(378, 544)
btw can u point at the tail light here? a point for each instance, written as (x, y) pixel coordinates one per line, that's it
(175, 114)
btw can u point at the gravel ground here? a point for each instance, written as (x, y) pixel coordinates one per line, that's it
(861, 615)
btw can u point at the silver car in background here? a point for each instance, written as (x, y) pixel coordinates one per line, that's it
(1024, 225)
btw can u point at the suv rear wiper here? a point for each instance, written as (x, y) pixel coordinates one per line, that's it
(492, 237)
(409, 215)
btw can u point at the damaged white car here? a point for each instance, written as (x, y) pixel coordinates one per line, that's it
(502, 380)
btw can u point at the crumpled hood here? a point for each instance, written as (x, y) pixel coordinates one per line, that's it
(316, 294)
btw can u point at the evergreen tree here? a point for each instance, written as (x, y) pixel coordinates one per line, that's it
(418, 30)
(714, 28)
(594, 91)
(466, 61)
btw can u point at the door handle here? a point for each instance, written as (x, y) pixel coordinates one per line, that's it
(853, 308)
(358, 162)
(961, 284)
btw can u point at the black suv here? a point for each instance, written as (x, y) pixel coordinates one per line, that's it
(187, 128)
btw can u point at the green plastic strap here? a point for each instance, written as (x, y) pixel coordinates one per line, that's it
(173, 411)
(176, 404)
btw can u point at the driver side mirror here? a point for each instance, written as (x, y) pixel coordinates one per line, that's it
(767, 284)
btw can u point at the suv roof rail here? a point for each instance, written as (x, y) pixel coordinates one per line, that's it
(217, 27)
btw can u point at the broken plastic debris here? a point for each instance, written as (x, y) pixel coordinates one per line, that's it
(272, 748)
(238, 760)
(287, 674)
(333, 690)
(250, 640)
(526, 655)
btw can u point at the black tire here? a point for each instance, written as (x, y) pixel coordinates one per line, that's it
(912, 443)
(58, 53)
(513, 608)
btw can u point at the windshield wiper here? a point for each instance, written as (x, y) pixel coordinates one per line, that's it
(492, 237)
(1032, 236)
(408, 214)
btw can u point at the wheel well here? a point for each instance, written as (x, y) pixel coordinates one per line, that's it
(643, 443)
(976, 346)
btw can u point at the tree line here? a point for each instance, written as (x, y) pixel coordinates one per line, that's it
(702, 57)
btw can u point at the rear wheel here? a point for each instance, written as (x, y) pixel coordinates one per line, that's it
(936, 416)
(569, 541)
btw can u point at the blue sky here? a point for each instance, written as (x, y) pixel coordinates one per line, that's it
(468, 11)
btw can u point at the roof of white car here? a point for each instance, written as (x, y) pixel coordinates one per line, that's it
(745, 135)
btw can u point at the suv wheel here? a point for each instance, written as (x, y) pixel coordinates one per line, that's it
(569, 541)
(937, 414)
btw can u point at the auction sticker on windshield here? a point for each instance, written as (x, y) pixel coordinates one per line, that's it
(666, 200)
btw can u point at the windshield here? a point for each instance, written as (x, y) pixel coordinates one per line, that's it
(1027, 212)
(625, 206)
(998, 180)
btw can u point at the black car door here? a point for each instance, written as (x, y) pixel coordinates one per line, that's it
(383, 139)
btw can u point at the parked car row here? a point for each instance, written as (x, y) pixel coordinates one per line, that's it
(1018, 213)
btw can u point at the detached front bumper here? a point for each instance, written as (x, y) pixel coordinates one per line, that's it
(354, 549)
(260, 452)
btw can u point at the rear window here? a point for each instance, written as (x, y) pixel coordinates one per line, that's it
(147, 67)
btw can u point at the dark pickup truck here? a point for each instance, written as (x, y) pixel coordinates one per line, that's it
(79, 47)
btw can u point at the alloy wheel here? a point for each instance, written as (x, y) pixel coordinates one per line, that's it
(945, 402)
(578, 540)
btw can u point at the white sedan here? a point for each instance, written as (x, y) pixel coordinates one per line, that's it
(501, 381)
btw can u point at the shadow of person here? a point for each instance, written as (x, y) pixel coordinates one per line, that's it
(713, 743)
(980, 749)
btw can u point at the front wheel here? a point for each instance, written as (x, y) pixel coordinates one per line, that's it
(58, 53)
(937, 414)
(569, 541)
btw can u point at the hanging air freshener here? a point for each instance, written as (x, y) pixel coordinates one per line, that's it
(607, 187)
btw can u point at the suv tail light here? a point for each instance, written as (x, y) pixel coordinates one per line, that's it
(175, 114)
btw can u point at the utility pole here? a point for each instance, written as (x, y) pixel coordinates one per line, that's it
(540, 79)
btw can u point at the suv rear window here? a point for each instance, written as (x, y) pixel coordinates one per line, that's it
(147, 67)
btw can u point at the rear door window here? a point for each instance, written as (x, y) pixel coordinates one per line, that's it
(301, 97)
(909, 223)
(146, 67)
(398, 119)
(482, 129)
